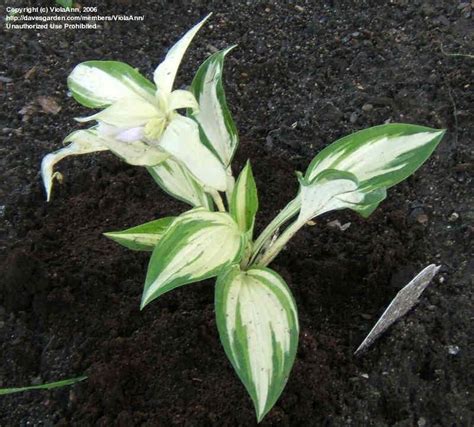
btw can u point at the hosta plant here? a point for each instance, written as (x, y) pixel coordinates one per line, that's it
(186, 138)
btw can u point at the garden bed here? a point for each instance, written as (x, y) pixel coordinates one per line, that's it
(303, 75)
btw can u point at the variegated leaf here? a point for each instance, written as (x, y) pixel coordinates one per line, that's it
(97, 84)
(88, 141)
(165, 73)
(136, 153)
(181, 140)
(244, 201)
(334, 190)
(218, 130)
(258, 327)
(77, 145)
(379, 157)
(174, 178)
(143, 237)
(182, 99)
(127, 112)
(364, 165)
(197, 246)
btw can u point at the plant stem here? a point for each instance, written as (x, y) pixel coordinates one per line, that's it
(279, 244)
(285, 214)
(230, 185)
(218, 200)
(246, 258)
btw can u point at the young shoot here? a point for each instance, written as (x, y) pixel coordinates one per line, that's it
(189, 156)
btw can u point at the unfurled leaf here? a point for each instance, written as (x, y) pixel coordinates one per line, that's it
(129, 111)
(181, 140)
(135, 153)
(197, 246)
(88, 141)
(334, 190)
(80, 142)
(182, 99)
(97, 84)
(47, 386)
(370, 202)
(379, 157)
(355, 171)
(258, 327)
(176, 180)
(143, 237)
(218, 130)
(244, 201)
(165, 73)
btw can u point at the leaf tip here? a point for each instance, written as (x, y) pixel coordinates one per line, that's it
(261, 412)
(203, 20)
(110, 235)
(144, 301)
(227, 50)
(438, 134)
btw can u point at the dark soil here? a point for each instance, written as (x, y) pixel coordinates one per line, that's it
(304, 74)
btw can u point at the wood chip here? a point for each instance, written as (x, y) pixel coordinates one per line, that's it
(48, 104)
(400, 305)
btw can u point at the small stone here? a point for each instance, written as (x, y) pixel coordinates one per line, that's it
(365, 316)
(416, 204)
(31, 73)
(418, 215)
(366, 376)
(36, 380)
(299, 8)
(72, 396)
(421, 422)
(367, 107)
(353, 117)
(337, 224)
(453, 350)
(422, 219)
(453, 217)
(443, 20)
